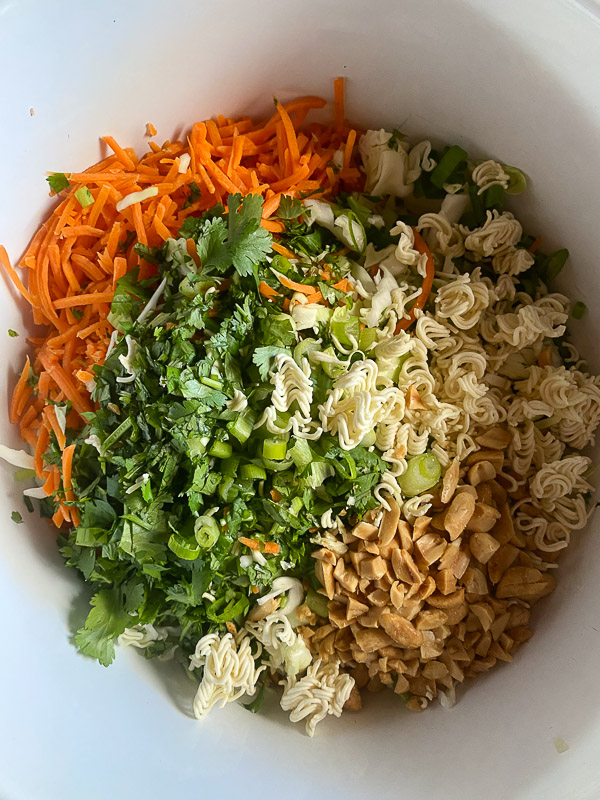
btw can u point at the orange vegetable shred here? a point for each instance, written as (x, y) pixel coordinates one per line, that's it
(71, 267)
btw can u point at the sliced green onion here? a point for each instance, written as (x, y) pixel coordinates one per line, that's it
(274, 449)
(118, 432)
(233, 609)
(24, 474)
(332, 369)
(228, 491)
(448, 163)
(318, 472)
(252, 472)
(301, 454)
(494, 196)
(229, 466)
(305, 347)
(344, 329)
(296, 506)
(212, 383)
(422, 473)
(281, 263)
(518, 179)
(579, 310)
(367, 337)
(197, 445)
(277, 466)
(555, 264)
(220, 450)
(242, 426)
(368, 439)
(183, 548)
(317, 603)
(84, 196)
(206, 531)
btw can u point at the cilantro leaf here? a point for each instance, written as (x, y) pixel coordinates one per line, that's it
(195, 194)
(289, 207)
(212, 247)
(16, 517)
(249, 243)
(106, 620)
(12, 333)
(58, 181)
(263, 356)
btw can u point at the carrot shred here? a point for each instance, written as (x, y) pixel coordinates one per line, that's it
(283, 251)
(77, 256)
(266, 290)
(4, 260)
(420, 247)
(343, 285)
(19, 393)
(315, 297)
(271, 547)
(40, 449)
(50, 414)
(251, 543)
(294, 286)
(83, 299)
(290, 133)
(349, 148)
(338, 94)
(545, 357)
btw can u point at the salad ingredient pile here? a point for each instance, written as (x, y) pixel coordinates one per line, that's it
(303, 410)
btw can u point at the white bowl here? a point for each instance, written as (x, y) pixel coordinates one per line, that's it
(517, 80)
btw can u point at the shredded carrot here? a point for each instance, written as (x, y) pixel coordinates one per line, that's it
(338, 89)
(296, 287)
(536, 243)
(420, 247)
(271, 547)
(40, 449)
(315, 297)
(67, 461)
(75, 259)
(283, 251)
(19, 393)
(343, 285)
(545, 357)
(349, 148)
(50, 414)
(290, 133)
(266, 290)
(251, 543)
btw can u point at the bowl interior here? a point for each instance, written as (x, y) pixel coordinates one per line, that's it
(516, 81)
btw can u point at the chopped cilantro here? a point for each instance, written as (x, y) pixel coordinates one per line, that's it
(12, 333)
(16, 517)
(176, 443)
(58, 181)
(126, 243)
(289, 207)
(194, 195)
